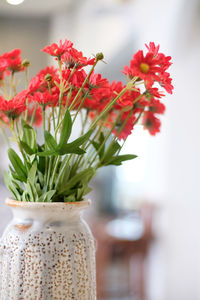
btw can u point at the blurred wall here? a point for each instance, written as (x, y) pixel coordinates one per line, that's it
(29, 34)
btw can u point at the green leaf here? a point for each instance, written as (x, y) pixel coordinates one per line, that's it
(12, 186)
(47, 153)
(117, 160)
(66, 129)
(31, 190)
(41, 164)
(41, 177)
(78, 142)
(98, 146)
(25, 197)
(26, 125)
(83, 175)
(50, 141)
(17, 164)
(71, 198)
(17, 177)
(29, 136)
(38, 189)
(69, 149)
(62, 179)
(111, 152)
(101, 141)
(73, 147)
(47, 196)
(32, 173)
(26, 148)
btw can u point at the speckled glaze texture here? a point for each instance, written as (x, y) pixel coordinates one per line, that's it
(47, 252)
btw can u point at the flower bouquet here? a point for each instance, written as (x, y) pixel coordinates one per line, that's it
(47, 250)
(60, 169)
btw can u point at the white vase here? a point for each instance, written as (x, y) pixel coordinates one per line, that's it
(47, 252)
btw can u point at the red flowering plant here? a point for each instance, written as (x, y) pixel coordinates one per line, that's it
(61, 168)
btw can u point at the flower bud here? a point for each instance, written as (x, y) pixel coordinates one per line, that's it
(99, 56)
(26, 63)
(48, 77)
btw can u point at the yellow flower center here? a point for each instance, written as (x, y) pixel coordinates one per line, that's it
(144, 68)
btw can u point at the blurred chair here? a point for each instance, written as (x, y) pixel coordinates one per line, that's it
(127, 239)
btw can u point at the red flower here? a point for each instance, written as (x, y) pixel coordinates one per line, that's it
(144, 67)
(116, 88)
(128, 99)
(129, 121)
(150, 68)
(3, 67)
(45, 98)
(74, 58)
(99, 92)
(39, 84)
(155, 92)
(77, 79)
(166, 82)
(151, 123)
(14, 107)
(37, 121)
(153, 48)
(58, 49)
(157, 107)
(14, 62)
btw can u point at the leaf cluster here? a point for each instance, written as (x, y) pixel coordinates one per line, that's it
(52, 172)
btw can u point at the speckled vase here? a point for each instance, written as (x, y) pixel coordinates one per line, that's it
(47, 252)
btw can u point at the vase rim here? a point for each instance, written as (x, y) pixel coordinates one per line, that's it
(65, 205)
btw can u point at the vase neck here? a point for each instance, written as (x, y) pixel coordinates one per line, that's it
(47, 212)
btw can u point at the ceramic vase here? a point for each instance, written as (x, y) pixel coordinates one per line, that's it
(47, 252)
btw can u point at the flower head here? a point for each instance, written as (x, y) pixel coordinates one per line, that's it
(39, 83)
(150, 67)
(44, 98)
(58, 49)
(14, 107)
(156, 107)
(151, 123)
(14, 62)
(125, 125)
(145, 67)
(74, 58)
(3, 68)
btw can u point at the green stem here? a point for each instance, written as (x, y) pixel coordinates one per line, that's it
(81, 88)
(61, 171)
(44, 128)
(69, 95)
(53, 115)
(33, 115)
(80, 107)
(5, 93)
(26, 77)
(54, 172)
(107, 108)
(49, 171)
(26, 86)
(136, 121)
(61, 91)
(106, 138)
(11, 84)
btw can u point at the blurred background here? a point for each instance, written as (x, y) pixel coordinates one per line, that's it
(145, 214)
